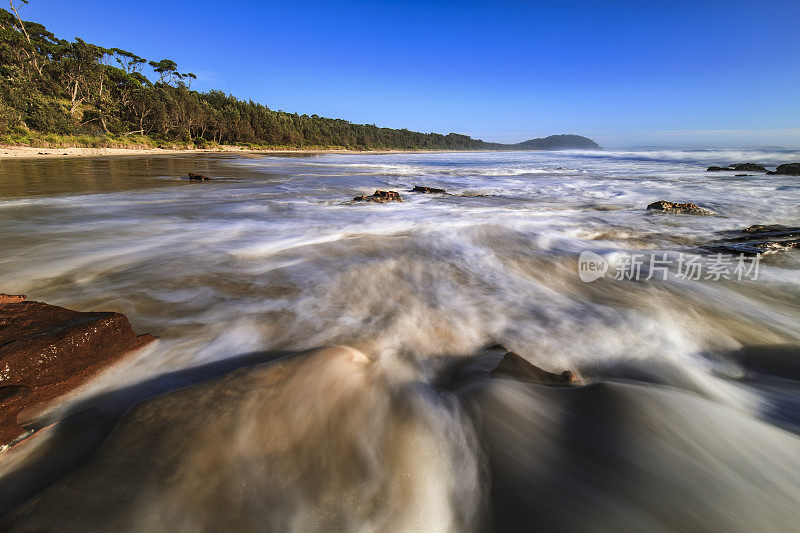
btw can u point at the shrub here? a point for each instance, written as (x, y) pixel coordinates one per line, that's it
(48, 115)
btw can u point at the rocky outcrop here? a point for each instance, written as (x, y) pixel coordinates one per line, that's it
(514, 366)
(678, 208)
(791, 169)
(749, 167)
(198, 177)
(758, 239)
(741, 167)
(379, 197)
(428, 190)
(46, 351)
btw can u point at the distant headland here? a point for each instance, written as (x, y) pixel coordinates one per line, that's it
(554, 142)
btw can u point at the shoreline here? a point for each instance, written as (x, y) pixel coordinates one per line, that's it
(29, 152)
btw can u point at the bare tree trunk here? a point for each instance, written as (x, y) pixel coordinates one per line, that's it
(25, 33)
(75, 101)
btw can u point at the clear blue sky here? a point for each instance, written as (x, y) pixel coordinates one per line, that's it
(702, 73)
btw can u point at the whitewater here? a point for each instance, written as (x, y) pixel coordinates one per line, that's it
(688, 413)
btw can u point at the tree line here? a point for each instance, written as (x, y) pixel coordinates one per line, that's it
(56, 86)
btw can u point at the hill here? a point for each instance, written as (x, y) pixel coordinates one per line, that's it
(558, 142)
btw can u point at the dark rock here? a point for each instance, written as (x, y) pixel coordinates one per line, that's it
(742, 175)
(791, 169)
(428, 190)
(770, 229)
(741, 167)
(678, 208)
(514, 366)
(198, 177)
(758, 239)
(748, 167)
(380, 197)
(778, 360)
(46, 351)
(494, 347)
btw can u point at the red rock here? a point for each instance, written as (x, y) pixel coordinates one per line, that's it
(380, 197)
(198, 177)
(678, 208)
(569, 375)
(12, 298)
(46, 351)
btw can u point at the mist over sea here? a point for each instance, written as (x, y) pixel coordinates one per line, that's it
(689, 417)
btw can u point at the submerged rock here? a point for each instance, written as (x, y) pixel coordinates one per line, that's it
(46, 351)
(678, 208)
(514, 366)
(428, 190)
(198, 177)
(791, 169)
(770, 228)
(758, 239)
(380, 197)
(742, 167)
(312, 439)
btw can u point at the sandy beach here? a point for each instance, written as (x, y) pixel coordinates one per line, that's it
(10, 152)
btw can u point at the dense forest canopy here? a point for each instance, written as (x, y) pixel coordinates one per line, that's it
(57, 87)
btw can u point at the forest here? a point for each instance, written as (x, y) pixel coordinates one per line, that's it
(57, 92)
(52, 88)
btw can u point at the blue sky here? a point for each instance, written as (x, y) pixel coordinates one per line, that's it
(630, 73)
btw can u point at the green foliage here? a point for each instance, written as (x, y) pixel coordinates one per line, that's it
(10, 120)
(83, 92)
(46, 115)
(559, 142)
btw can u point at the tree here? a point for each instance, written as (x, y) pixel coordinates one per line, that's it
(21, 26)
(166, 69)
(80, 62)
(127, 61)
(52, 85)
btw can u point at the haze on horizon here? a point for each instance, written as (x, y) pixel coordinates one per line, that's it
(683, 74)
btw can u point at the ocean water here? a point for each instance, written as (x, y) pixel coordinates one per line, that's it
(676, 428)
